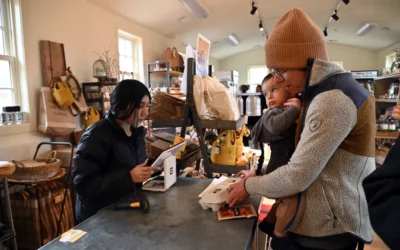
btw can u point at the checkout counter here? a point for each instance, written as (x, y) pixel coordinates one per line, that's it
(175, 221)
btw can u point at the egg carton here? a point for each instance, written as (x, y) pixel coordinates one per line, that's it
(214, 207)
(215, 197)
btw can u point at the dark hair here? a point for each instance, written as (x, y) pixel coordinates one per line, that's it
(259, 86)
(127, 96)
(244, 88)
(266, 78)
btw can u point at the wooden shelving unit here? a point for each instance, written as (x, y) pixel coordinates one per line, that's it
(390, 76)
(387, 135)
(172, 73)
(382, 84)
(388, 100)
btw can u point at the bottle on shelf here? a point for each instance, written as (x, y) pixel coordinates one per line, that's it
(383, 123)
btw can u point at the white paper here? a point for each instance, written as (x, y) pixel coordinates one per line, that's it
(203, 55)
(214, 183)
(189, 54)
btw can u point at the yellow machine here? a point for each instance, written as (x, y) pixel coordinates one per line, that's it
(228, 147)
(244, 131)
(224, 148)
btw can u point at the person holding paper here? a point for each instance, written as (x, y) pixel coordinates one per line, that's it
(111, 156)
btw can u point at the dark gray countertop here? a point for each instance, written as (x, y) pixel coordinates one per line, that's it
(175, 221)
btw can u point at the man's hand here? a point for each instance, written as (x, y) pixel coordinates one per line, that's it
(244, 174)
(293, 102)
(141, 172)
(237, 193)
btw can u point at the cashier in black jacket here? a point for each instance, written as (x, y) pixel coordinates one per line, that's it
(111, 155)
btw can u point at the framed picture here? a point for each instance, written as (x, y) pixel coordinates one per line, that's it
(203, 54)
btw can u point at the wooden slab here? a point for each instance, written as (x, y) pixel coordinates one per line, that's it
(53, 61)
(53, 66)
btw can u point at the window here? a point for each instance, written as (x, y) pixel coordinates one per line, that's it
(255, 75)
(8, 88)
(390, 59)
(130, 55)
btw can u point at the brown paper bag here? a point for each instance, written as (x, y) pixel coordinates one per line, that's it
(220, 103)
(52, 119)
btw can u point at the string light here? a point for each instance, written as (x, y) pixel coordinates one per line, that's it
(334, 15)
(253, 8)
(256, 11)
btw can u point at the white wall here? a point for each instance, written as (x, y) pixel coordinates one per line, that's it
(215, 63)
(385, 52)
(83, 28)
(353, 58)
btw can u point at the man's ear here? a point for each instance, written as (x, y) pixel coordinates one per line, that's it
(292, 95)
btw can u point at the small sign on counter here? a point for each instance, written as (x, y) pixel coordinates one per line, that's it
(72, 235)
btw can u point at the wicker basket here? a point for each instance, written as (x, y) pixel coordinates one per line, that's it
(31, 224)
(6, 168)
(37, 169)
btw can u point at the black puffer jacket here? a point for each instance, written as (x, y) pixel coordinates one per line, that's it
(382, 189)
(102, 164)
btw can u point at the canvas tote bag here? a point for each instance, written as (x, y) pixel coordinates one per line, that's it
(52, 119)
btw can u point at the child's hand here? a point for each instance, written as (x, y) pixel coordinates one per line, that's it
(293, 102)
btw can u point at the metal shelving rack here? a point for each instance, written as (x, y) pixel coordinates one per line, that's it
(168, 73)
(382, 84)
(9, 233)
(190, 116)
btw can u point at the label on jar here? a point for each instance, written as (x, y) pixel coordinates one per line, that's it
(3, 119)
(10, 117)
(384, 126)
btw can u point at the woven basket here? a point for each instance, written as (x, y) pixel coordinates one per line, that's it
(37, 169)
(6, 168)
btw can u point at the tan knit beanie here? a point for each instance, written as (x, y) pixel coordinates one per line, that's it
(293, 40)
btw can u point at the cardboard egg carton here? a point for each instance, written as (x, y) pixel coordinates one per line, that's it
(215, 197)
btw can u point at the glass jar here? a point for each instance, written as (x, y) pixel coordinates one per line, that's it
(384, 126)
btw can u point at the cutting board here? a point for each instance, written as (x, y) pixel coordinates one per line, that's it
(53, 66)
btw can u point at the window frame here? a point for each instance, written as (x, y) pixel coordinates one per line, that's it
(390, 59)
(13, 33)
(249, 75)
(137, 54)
(9, 48)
